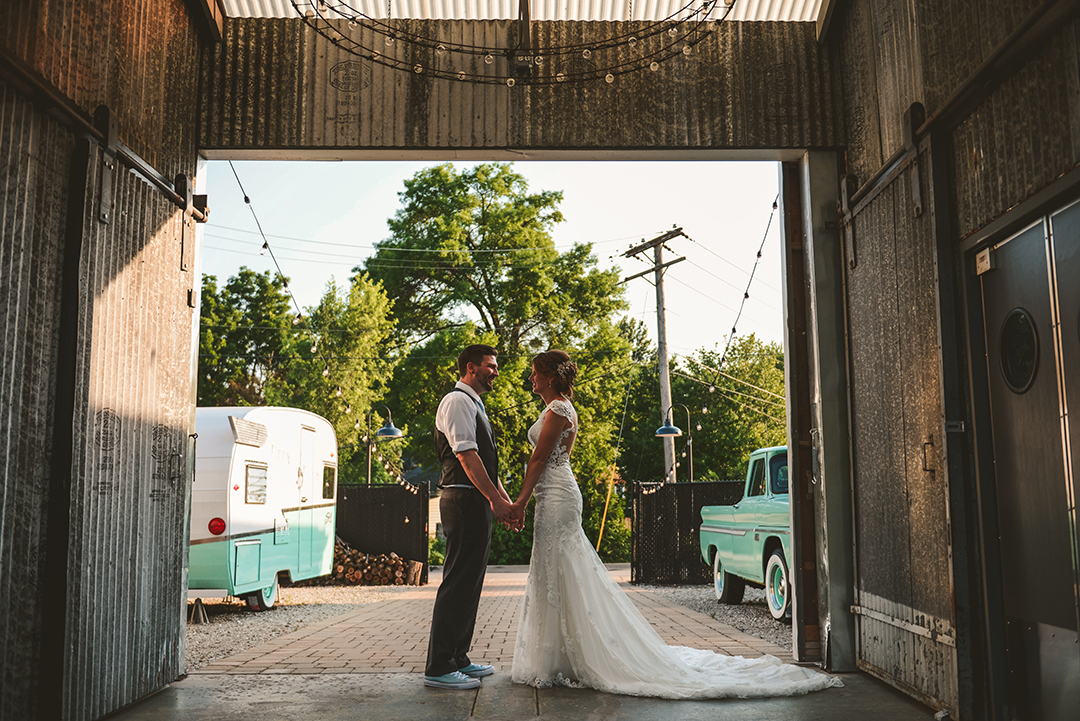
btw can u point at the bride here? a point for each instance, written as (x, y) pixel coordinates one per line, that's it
(576, 627)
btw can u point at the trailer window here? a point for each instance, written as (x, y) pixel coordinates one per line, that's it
(256, 484)
(329, 480)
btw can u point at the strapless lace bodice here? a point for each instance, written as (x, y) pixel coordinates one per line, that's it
(560, 454)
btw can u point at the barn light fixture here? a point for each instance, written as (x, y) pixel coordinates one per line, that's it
(527, 60)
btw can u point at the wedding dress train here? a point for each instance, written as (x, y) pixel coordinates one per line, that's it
(577, 628)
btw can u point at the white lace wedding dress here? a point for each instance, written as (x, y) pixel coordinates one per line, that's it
(577, 628)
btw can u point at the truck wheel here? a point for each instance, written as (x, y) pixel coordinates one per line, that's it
(265, 598)
(777, 587)
(728, 588)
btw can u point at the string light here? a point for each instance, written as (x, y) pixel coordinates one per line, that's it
(623, 52)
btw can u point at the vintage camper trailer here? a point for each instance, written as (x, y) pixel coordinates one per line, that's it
(263, 501)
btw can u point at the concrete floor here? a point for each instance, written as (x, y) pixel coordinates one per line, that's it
(402, 697)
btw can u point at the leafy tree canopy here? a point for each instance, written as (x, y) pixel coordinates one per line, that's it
(243, 331)
(476, 244)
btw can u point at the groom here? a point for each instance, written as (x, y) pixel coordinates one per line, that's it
(471, 496)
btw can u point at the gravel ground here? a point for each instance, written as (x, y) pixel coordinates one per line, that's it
(751, 616)
(232, 628)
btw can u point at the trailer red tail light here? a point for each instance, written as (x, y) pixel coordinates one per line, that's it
(216, 526)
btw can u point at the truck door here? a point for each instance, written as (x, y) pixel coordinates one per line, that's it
(744, 549)
(1031, 321)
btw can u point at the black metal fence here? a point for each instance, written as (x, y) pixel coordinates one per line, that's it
(384, 519)
(664, 547)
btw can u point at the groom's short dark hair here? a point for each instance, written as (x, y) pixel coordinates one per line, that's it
(473, 354)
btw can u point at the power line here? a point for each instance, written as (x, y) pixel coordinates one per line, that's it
(729, 390)
(746, 293)
(416, 250)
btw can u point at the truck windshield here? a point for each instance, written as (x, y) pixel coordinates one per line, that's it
(778, 473)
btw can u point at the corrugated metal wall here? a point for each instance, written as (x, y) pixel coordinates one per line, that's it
(785, 11)
(1022, 136)
(270, 87)
(123, 525)
(126, 602)
(33, 183)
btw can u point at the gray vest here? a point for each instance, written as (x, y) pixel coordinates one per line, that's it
(453, 474)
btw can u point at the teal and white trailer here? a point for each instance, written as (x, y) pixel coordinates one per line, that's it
(263, 503)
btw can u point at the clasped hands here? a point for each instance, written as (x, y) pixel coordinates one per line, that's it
(509, 514)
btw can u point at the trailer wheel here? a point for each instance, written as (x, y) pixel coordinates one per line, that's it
(777, 588)
(265, 598)
(728, 588)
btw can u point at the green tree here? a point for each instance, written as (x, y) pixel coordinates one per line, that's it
(244, 329)
(477, 243)
(345, 376)
(470, 260)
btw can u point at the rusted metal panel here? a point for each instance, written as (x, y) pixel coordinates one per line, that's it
(854, 54)
(33, 182)
(745, 86)
(138, 58)
(1023, 136)
(903, 565)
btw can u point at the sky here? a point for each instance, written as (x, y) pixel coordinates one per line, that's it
(322, 218)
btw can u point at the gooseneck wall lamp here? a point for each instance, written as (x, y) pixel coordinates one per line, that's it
(671, 430)
(387, 431)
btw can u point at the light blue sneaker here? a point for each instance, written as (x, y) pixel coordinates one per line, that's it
(454, 679)
(476, 670)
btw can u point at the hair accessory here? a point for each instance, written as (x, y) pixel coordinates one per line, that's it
(564, 368)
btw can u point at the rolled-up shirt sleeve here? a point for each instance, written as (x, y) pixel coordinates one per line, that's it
(456, 419)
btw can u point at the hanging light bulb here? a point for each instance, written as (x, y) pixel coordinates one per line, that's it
(265, 247)
(337, 392)
(326, 370)
(314, 345)
(704, 409)
(357, 425)
(348, 408)
(712, 388)
(699, 425)
(297, 318)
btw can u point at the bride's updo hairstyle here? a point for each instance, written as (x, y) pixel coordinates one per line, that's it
(556, 364)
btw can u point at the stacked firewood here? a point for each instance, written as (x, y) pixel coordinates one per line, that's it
(356, 568)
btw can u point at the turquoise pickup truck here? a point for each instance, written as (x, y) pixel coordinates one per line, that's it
(750, 541)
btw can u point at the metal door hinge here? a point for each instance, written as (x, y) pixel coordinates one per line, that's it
(109, 126)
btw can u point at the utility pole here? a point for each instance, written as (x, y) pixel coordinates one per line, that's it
(657, 245)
